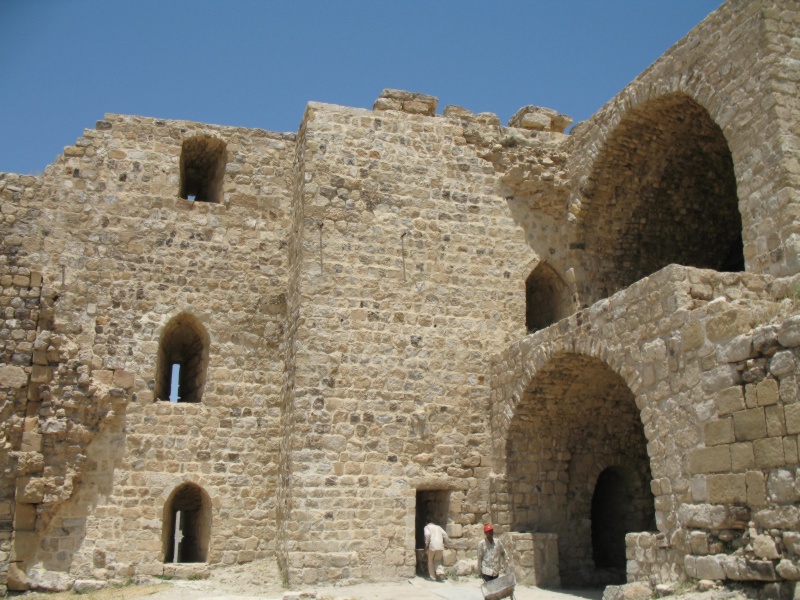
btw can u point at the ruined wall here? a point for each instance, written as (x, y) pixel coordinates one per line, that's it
(133, 256)
(695, 349)
(722, 77)
(389, 395)
(335, 303)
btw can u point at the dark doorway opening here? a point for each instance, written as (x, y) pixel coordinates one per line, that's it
(436, 505)
(616, 511)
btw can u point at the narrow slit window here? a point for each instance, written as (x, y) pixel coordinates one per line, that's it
(175, 377)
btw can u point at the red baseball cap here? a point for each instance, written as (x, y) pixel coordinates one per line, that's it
(488, 527)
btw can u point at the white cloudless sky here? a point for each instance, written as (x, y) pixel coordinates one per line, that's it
(256, 63)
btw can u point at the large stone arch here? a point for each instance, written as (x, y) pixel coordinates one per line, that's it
(661, 190)
(574, 418)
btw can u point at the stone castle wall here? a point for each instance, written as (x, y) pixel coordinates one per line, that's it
(393, 314)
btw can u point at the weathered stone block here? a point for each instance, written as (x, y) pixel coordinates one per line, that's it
(789, 332)
(730, 323)
(31, 442)
(728, 488)
(768, 453)
(719, 432)
(716, 459)
(774, 417)
(749, 424)
(764, 547)
(767, 392)
(730, 400)
(792, 417)
(756, 488)
(709, 567)
(742, 456)
(30, 490)
(13, 377)
(692, 336)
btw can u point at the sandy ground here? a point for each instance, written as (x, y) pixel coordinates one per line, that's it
(259, 581)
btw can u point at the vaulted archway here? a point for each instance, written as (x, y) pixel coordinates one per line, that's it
(662, 191)
(577, 420)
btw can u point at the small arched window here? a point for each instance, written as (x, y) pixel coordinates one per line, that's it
(182, 360)
(203, 160)
(186, 525)
(547, 298)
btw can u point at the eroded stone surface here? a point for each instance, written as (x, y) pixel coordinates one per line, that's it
(350, 308)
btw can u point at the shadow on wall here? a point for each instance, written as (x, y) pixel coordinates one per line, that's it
(662, 191)
(575, 449)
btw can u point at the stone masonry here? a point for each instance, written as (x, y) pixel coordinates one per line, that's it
(224, 344)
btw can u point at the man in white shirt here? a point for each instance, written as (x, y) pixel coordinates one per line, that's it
(435, 539)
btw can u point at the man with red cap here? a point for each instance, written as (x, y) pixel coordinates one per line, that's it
(492, 557)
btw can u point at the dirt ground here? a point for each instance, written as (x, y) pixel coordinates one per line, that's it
(259, 581)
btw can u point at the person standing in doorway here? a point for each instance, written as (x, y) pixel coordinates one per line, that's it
(492, 557)
(435, 540)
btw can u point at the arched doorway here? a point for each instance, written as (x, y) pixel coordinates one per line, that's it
(578, 420)
(186, 525)
(662, 191)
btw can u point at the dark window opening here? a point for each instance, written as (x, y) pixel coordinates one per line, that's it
(182, 360)
(187, 525)
(547, 299)
(203, 160)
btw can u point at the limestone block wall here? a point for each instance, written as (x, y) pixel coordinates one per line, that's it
(732, 71)
(398, 300)
(127, 256)
(683, 342)
(333, 298)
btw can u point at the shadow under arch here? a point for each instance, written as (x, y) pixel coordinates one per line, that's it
(184, 342)
(662, 190)
(186, 525)
(547, 298)
(576, 419)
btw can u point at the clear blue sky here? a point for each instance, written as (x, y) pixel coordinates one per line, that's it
(64, 63)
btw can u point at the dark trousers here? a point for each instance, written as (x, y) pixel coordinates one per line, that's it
(488, 577)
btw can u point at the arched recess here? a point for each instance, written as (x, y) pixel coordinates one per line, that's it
(662, 191)
(186, 525)
(203, 161)
(182, 353)
(577, 419)
(547, 298)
